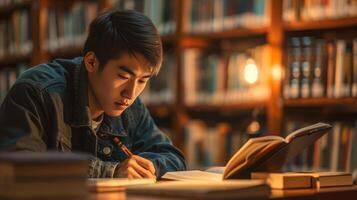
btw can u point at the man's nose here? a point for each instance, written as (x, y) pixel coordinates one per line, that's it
(129, 90)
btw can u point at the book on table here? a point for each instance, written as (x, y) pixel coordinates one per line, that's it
(265, 154)
(284, 180)
(290, 180)
(43, 175)
(329, 179)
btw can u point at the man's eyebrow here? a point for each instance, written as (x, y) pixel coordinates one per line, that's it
(129, 71)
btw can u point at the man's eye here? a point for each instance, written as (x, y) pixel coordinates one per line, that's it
(123, 77)
(143, 80)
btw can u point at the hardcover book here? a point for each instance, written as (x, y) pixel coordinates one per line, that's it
(264, 154)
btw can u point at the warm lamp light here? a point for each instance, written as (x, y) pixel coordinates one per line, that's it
(276, 72)
(251, 71)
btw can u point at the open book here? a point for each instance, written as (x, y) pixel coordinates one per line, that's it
(267, 153)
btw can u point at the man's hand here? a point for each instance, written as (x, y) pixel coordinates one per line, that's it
(135, 167)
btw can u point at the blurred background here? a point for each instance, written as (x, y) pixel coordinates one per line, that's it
(233, 69)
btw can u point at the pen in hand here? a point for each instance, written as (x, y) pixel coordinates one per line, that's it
(142, 168)
(122, 147)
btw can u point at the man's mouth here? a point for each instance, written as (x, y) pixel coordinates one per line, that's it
(121, 104)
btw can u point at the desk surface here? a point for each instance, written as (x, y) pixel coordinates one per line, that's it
(340, 193)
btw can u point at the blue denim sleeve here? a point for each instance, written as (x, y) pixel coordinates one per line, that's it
(151, 143)
(22, 119)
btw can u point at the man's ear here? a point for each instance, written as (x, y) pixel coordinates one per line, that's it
(91, 62)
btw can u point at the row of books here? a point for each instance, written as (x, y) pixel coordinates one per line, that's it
(336, 151)
(16, 34)
(222, 78)
(161, 12)
(307, 10)
(67, 26)
(211, 15)
(316, 67)
(8, 77)
(11, 2)
(161, 88)
(211, 145)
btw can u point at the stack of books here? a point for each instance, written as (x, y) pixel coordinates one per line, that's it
(292, 180)
(43, 175)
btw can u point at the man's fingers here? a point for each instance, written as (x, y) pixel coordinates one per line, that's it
(140, 169)
(147, 164)
(132, 173)
(136, 167)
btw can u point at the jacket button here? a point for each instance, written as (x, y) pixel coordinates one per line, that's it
(107, 151)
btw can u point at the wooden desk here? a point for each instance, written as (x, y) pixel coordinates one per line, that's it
(340, 193)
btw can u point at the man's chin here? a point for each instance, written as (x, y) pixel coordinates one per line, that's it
(115, 113)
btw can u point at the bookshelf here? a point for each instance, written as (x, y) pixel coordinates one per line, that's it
(321, 24)
(348, 102)
(273, 26)
(319, 68)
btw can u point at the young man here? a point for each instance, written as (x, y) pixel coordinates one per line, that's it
(83, 104)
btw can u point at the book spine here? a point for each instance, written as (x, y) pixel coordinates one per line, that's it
(316, 67)
(162, 87)
(310, 10)
(67, 26)
(306, 66)
(214, 16)
(15, 34)
(8, 77)
(209, 144)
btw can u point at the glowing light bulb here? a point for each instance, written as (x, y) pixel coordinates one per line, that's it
(251, 71)
(276, 72)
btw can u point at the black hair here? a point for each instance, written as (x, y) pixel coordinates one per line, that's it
(116, 32)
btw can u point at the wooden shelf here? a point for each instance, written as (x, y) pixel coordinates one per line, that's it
(66, 52)
(6, 10)
(14, 59)
(160, 110)
(203, 40)
(321, 24)
(227, 107)
(229, 34)
(169, 38)
(321, 102)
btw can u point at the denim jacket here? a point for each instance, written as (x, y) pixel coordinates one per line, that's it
(47, 109)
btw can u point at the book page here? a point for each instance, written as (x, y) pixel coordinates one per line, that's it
(307, 130)
(257, 151)
(217, 170)
(193, 175)
(252, 146)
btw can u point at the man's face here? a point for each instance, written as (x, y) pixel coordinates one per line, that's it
(120, 82)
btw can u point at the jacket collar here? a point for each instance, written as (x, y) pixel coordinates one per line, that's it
(77, 113)
(113, 126)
